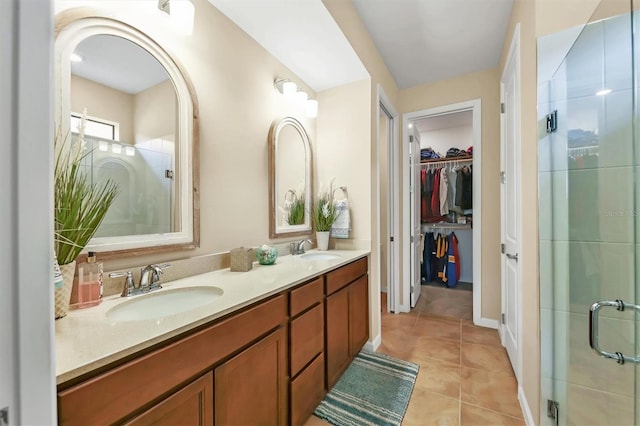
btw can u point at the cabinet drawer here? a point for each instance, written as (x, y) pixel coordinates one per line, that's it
(307, 391)
(343, 276)
(307, 338)
(111, 396)
(305, 296)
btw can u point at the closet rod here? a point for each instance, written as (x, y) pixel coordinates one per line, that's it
(456, 160)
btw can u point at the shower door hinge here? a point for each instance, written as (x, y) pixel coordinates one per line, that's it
(168, 174)
(502, 318)
(553, 411)
(502, 249)
(503, 177)
(410, 138)
(552, 121)
(391, 238)
(502, 108)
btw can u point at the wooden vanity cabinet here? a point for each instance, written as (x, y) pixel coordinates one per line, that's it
(306, 349)
(347, 317)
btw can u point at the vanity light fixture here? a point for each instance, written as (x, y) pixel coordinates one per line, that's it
(103, 146)
(130, 151)
(181, 14)
(75, 58)
(289, 89)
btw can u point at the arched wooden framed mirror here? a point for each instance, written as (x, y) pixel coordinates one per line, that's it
(141, 115)
(290, 182)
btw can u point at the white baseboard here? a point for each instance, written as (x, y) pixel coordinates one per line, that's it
(486, 322)
(524, 405)
(373, 345)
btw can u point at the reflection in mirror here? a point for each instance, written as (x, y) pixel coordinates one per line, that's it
(290, 179)
(140, 130)
(129, 133)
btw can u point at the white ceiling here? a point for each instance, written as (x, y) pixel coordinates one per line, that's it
(117, 63)
(302, 35)
(420, 40)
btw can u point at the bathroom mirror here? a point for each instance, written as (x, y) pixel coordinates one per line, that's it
(132, 107)
(289, 179)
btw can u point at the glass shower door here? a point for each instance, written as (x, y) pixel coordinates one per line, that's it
(588, 206)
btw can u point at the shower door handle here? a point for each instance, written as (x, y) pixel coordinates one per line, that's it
(593, 329)
(512, 256)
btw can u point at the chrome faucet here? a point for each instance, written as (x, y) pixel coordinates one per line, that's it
(149, 280)
(150, 277)
(297, 247)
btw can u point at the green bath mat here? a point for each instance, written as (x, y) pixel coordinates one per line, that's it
(375, 390)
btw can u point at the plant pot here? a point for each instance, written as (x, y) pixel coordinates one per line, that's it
(322, 239)
(63, 294)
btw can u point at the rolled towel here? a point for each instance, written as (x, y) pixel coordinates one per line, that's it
(342, 224)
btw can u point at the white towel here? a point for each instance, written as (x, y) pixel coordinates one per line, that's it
(342, 224)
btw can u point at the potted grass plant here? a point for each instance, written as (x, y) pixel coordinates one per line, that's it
(324, 214)
(79, 207)
(296, 212)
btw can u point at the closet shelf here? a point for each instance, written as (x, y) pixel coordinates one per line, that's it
(454, 160)
(444, 225)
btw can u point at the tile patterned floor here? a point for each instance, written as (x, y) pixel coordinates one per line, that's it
(465, 376)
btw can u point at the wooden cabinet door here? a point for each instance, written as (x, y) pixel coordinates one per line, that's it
(251, 388)
(358, 315)
(337, 332)
(191, 405)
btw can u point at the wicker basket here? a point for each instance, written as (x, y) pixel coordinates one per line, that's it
(63, 294)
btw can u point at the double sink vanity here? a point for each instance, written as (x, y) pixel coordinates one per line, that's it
(257, 347)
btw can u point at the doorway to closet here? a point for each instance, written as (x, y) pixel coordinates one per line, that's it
(444, 203)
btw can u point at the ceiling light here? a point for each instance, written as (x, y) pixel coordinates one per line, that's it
(411, 125)
(312, 108)
(603, 92)
(75, 57)
(181, 14)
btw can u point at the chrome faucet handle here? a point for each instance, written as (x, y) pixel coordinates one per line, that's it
(129, 287)
(154, 283)
(301, 245)
(293, 247)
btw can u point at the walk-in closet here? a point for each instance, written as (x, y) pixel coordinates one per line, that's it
(446, 213)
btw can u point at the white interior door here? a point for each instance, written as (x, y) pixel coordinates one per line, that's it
(415, 218)
(510, 214)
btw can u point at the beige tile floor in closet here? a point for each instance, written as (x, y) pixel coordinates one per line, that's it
(465, 377)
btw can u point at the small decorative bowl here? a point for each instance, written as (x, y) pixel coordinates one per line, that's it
(266, 255)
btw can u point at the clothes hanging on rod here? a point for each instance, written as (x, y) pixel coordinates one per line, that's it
(441, 259)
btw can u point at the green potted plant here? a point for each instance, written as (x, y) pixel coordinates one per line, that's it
(296, 212)
(324, 214)
(79, 208)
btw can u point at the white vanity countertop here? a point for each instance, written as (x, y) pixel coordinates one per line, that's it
(86, 339)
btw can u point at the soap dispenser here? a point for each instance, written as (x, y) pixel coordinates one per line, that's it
(89, 282)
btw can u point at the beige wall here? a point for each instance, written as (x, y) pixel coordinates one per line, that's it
(483, 85)
(443, 139)
(154, 112)
(103, 102)
(233, 80)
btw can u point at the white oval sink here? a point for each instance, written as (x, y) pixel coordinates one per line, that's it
(162, 304)
(319, 256)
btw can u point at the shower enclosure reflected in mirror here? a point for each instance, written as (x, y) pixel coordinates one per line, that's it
(139, 129)
(289, 179)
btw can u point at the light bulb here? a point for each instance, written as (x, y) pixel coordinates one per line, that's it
(289, 89)
(302, 97)
(312, 108)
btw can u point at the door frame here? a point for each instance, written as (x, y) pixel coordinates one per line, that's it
(475, 106)
(393, 204)
(513, 55)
